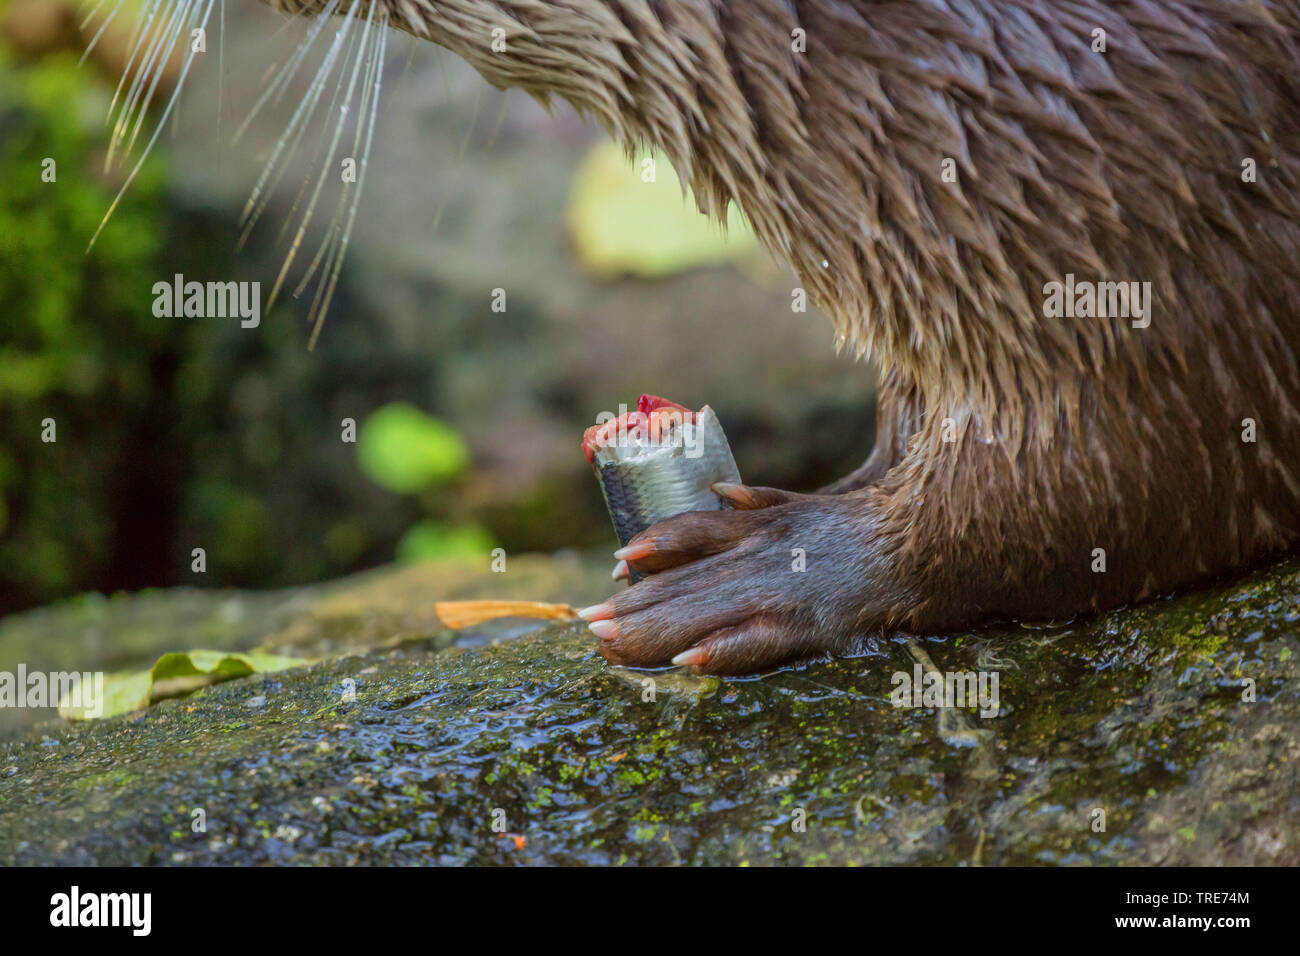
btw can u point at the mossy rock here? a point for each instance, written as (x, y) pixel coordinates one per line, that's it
(535, 750)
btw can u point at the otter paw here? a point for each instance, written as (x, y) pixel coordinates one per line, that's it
(733, 592)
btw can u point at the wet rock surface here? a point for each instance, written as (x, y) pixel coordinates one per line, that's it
(408, 743)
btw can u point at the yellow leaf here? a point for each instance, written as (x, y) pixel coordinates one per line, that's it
(623, 225)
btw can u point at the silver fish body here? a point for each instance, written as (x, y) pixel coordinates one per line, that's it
(645, 481)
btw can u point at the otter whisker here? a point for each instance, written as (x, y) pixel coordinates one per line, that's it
(102, 27)
(160, 25)
(276, 70)
(335, 258)
(338, 131)
(377, 70)
(401, 79)
(161, 31)
(176, 28)
(143, 24)
(275, 89)
(171, 103)
(330, 237)
(332, 232)
(333, 249)
(94, 9)
(221, 67)
(296, 129)
(154, 31)
(319, 156)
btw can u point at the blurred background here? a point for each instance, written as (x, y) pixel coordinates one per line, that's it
(177, 433)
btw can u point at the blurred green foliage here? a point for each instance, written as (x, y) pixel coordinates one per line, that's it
(74, 337)
(45, 271)
(429, 540)
(174, 434)
(406, 451)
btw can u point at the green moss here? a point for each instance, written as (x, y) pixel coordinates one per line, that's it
(78, 337)
(542, 727)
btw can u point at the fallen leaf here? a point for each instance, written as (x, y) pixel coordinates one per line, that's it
(172, 675)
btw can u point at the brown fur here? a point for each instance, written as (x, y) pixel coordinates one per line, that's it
(1072, 434)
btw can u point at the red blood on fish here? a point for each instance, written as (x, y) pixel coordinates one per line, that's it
(648, 412)
(650, 403)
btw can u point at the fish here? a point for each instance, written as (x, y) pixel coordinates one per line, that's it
(660, 460)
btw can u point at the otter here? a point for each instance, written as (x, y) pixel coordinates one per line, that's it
(964, 186)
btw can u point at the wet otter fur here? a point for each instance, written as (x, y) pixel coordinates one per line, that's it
(1026, 465)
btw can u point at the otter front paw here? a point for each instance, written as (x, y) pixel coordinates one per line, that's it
(785, 577)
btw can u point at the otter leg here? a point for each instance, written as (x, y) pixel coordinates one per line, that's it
(784, 576)
(969, 525)
(898, 414)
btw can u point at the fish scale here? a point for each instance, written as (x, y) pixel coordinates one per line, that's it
(644, 483)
